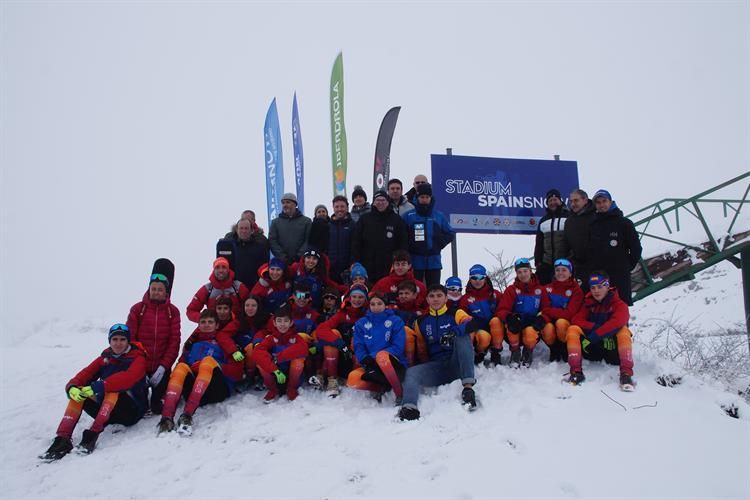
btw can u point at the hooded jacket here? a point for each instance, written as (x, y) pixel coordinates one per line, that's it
(208, 293)
(156, 326)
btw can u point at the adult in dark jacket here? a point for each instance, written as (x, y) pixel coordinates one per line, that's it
(334, 238)
(582, 213)
(614, 245)
(550, 237)
(428, 232)
(250, 251)
(376, 236)
(361, 207)
(290, 231)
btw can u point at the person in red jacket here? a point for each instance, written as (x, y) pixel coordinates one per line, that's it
(313, 270)
(208, 368)
(520, 309)
(280, 356)
(565, 299)
(400, 270)
(480, 302)
(155, 323)
(111, 389)
(273, 287)
(252, 323)
(600, 331)
(409, 311)
(220, 283)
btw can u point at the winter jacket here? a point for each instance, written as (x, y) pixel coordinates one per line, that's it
(410, 312)
(565, 299)
(157, 328)
(376, 236)
(305, 318)
(428, 233)
(116, 373)
(388, 286)
(218, 345)
(339, 246)
(615, 248)
(208, 293)
(343, 321)
(403, 206)
(435, 325)
(356, 212)
(577, 227)
(481, 304)
(603, 318)
(289, 236)
(247, 329)
(249, 256)
(273, 293)
(550, 242)
(297, 273)
(285, 347)
(377, 332)
(526, 299)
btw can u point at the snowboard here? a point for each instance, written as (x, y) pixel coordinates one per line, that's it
(164, 266)
(226, 248)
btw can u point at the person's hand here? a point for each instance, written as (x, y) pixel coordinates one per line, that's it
(280, 377)
(538, 323)
(74, 393)
(514, 322)
(313, 350)
(448, 339)
(87, 391)
(238, 356)
(156, 377)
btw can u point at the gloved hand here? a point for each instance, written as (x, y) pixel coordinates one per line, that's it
(609, 343)
(471, 326)
(448, 339)
(368, 363)
(280, 377)
(514, 322)
(538, 323)
(156, 377)
(87, 391)
(593, 338)
(237, 356)
(74, 393)
(313, 350)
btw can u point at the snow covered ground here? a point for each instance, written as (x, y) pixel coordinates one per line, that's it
(533, 437)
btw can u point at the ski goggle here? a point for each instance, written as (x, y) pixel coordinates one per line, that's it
(302, 295)
(477, 276)
(158, 277)
(118, 328)
(522, 262)
(453, 288)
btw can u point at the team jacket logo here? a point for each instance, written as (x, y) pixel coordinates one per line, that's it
(388, 323)
(292, 340)
(471, 300)
(368, 325)
(568, 293)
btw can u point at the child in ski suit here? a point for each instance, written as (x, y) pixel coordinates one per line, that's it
(272, 286)
(409, 311)
(480, 302)
(565, 299)
(312, 269)
(401, 270)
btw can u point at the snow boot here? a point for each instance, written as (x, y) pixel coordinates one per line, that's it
(408, 413)
(495, 358)
(527, 356)
(554, 351)
(60, 447)
(333, 390)
(515, 359)
(626, 383)
(469, 399)
(576, 378)
(185, 425)
(88, 442)
(166, 424)
(316, 381)
(479, 357)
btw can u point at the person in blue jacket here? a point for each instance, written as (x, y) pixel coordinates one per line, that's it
(447, 336)
(428, 233)
(379, 341)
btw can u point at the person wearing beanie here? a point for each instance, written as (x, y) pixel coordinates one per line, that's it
(376, 236)
(249, 249)
(399, 202)
(333, 237)
(154, 322)
(111, 389)
(321, 212)
(480, 301)
(330, 305)
(550, 237)
(428, 233)
(222, 282)
(273, 287)
(565, 299)
(360, 206)
(614, 245)
(577, 228)
(290, 231)
(312, 269)
(455, 290)
(411, 194)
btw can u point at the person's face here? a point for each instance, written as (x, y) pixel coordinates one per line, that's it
(329, 302)
(602, 204)
(207, 325)
(377, 305)
(359, 280)
(275, 273)
(302, 299)
(553, 202)
(221, 272)
(599, 292)
(577, 202)
(244, 230)
(118, 343)
(523, 274)
(310, 262)
(251, 308)
(477, 282)
(562, 273)
(321, 213)
(424, 199)
(420, 179)
(401, 267)
(340, 209)
(381, 203)
(282, 323)
(357, 300)
(288, 206)
(395, 191)
(224, 312)
(436, 299)
(157, 291)
(359, 200)
(405, 296)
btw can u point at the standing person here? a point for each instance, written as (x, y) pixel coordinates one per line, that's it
(565, 299)
(248, 215)
(428, 232)
(273, 287)
(221, 283)
(577, 227)
(111, 389)
(334, 238)
(411, 194)
(361, 206)
(290, 231)
(376, 236)
(550, 237)
(154, 322)
(401, 270)
(600, 331)
(250, 250)
(321, 212)
(400, 204)
(614, 245)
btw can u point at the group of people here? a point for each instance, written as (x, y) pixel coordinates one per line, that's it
(361, 301)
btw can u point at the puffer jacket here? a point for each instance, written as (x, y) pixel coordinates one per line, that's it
(157, 327)
(289, 235)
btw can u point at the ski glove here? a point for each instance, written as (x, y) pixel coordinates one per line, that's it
(280, 377)
(156, 377)
(74, 393)
(448, 339)
(538, 323)
(514, 322)
(238, 356)
(313, 351)
(609, 343)
(87, 391)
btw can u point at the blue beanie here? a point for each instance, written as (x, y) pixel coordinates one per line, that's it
(358, 271)
(477, 269)
(453, 281)
(360, 289)
(602, 193)
(277, 263)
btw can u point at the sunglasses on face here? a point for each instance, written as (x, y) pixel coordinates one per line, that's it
(302, 295)
(453, 288)
(477, 276)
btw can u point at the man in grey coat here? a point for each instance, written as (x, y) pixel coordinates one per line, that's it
(290, 231)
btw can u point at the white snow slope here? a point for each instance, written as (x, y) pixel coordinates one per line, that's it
(533, 437)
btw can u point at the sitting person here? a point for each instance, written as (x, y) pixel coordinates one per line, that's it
(450, 351)
(455, 291)
(206, 372)
(272, 286)
(565, 299)
(330, 305)
(358, 275)
(379, 346)
(312, 269)
(409, 312)
(600, 331)
(112, 389)
(480, 301)
(251, 327)
(304, 315)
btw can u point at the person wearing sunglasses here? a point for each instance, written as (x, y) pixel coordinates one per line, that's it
(304, 315)
(155, 323)
(455, 288)
(480, 301)
(111, 389)
(221, 283)
(520, 309)
(550, 237)
(330, 305)
(565, 299)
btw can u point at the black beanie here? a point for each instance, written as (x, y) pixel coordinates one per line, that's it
(551, 193)
(358, 191)
(425, 188)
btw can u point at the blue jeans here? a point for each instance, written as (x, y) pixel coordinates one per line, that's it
(433, 373)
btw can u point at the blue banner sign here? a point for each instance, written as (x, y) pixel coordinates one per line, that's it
(498, 195)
